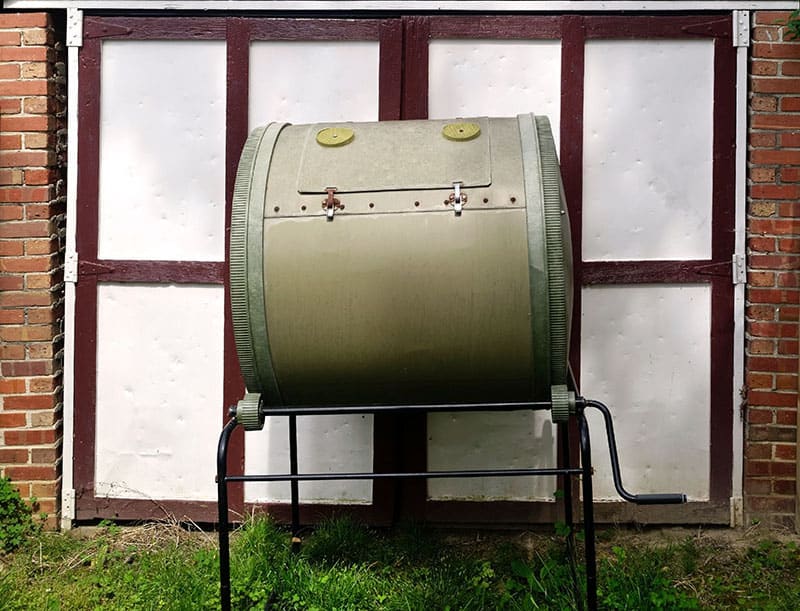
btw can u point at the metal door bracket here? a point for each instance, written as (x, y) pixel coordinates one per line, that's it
(741, 28)
(331, 204)
(457, 198)
(71, 267)
(739, 269)
(74, 27)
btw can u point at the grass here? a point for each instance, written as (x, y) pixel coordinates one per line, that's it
(347, 566)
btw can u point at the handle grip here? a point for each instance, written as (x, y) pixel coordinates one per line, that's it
(659, 499)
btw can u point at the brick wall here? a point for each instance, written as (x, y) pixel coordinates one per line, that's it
(773, 292)
(32, 122)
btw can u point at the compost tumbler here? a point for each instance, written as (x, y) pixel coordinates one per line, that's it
(401, 261)
(405, 266)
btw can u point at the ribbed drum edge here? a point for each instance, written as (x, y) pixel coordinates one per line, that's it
(240, 305)
(537, 258)
(554, 213)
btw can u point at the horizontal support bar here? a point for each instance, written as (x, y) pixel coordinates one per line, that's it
(319, 410)
(423, 474)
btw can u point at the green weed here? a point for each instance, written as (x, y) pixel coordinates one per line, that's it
(347, 566)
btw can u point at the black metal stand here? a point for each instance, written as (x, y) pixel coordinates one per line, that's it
(566, 471)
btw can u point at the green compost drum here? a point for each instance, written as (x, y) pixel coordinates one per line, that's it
(401, 262)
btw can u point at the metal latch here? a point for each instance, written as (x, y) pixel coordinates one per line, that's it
(331, 204)
(457, 199)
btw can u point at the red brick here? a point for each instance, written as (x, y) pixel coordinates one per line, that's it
(789, 209)
(772, 504)
(764, 103)
(27, 229)
(790, 104)
(782, 296)
(12, 317)
(787, 382)
(764, 363)
(774, 226)
(32, 472)
(10, 353)
(11, 283)
(30, 437)
(771, 85)
(760, 416)
(40, 177)
(762, 244)
(759, 451)
(772, 329)
(30, 402)
(762, 139)
(11, 177)
(768, 50)
(26, 264)
(10, 106)
(786, 416)
(44, 315)
(36, 105)
(10, 39)
(13, 455)
(790, 140)
(788, 261)
(753, 485)
(762, 381)
(761, 346)
(790, 175)
(27, 124)
(9, 420)
(24, 54)
(762, 174)
(761, 279)
(783, 486)
(788, 313)
(26, 333)
(763, 68)
(10, 212)
(788, 279)
(41, 350)
(25, 194)
(771, 17)
(20, 159)
(11, 387)
(782, 469)
(787, 346)
(774, 191)
(758, 156)
(766, 398)
(760, 312)
(40, 211)
(22, 20)
(757, 467)
(770, 34)
(10, 142)
(25, 298)
(41, 385)
(791, 245)
(44, 455)
(44, 247)
(26, 369)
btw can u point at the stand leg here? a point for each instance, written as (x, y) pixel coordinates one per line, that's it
(566, 483)
(224, 525)
(295, 488)
(588, 513)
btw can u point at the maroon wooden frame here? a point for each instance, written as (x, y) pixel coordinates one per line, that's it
(401, 441)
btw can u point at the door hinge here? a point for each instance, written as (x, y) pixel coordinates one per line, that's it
(74, 27)
(67, 508)
(741, 28)
(739, 269)
(71, 267)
